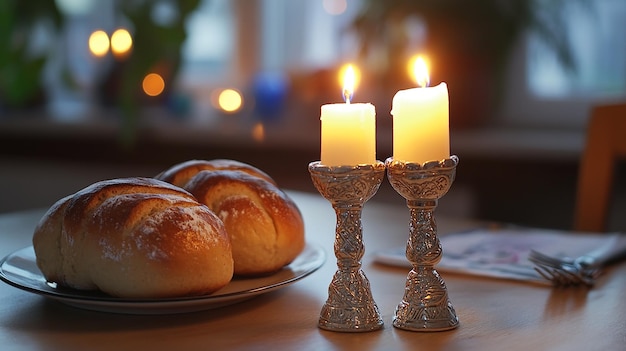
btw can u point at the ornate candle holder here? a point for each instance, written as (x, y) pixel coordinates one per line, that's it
(350, 306)
(425, 305)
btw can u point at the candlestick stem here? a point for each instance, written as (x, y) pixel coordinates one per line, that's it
(350, 306)
(425, 305)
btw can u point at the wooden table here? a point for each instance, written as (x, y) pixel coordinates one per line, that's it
(494, 314)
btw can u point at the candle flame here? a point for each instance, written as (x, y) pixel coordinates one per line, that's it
(349, 76)
(420, 72)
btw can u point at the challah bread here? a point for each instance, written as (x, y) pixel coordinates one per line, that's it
(181, 173)
(134, 238)
(265, 226)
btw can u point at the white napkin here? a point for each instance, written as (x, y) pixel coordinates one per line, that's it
(503, 253)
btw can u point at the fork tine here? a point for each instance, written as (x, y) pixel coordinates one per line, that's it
(560, 276)
(537, 256)
(555, 276)
(562, 272)
(546, 274)
(570, 278)
(583, 278)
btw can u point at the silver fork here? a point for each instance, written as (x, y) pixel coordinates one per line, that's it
(582, 270)
(565, 271)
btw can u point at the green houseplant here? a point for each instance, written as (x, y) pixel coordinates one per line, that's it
(21, 62)
(156, 48)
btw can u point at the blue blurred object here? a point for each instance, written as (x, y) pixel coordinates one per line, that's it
(270, 92)
(179, 104)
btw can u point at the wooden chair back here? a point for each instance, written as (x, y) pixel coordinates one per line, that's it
(605, 146)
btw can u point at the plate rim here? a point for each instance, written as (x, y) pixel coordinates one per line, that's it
(308, 261)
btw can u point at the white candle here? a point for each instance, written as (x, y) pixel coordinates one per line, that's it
(421, 122)
(348, 132)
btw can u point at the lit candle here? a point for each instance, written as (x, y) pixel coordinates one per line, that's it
(348, 130)
(420, 120)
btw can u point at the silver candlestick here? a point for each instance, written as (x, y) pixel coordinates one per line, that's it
(425, 305)
(350, 306)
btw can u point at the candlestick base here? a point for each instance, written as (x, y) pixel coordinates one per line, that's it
(350, 306)
(425, 305)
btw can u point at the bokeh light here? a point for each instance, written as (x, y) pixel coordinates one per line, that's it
(229, 100)
(335, 7)
(258, 132)
(153, 84)
(121, 42)
(99, 43)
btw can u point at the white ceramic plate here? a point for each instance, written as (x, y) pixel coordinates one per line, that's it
(20, 270)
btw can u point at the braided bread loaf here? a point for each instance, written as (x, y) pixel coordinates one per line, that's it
(135, 238)
(265, 226)
(181, 173)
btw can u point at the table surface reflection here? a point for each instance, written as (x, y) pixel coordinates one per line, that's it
(494, 314)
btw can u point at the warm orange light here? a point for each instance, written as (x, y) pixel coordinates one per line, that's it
(349, 78)
(419, 70)
(258, 132)
(153, 84)
(121, 42)
(230, 100)
(99, 43)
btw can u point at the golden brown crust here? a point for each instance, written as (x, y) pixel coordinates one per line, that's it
(181, 173)
(134, 237)
(264, 224)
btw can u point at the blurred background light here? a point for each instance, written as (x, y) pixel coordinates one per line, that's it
(229, 100)
(335, 7)
(258, 132)
(99, 43)
(121, 42)
(153, 84)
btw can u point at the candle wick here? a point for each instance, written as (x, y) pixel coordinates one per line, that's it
(346, 96)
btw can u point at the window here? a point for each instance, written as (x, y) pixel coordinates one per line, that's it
(543, 93)
(210, 42)
(599, 47)
(230, 41)
(303, 34)
(299, 34)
